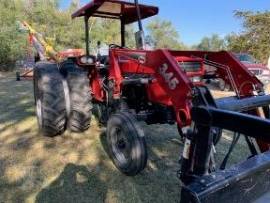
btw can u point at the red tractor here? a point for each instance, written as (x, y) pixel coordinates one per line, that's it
(157, 86)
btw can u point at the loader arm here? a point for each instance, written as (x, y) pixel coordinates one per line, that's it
(173, 80)
(168, 76)
(230, 69)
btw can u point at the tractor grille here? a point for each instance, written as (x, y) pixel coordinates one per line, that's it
(190, 67)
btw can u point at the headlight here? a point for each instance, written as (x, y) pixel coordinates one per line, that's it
(90, 61)
(196, 79)
(87, 60)
(84, 59)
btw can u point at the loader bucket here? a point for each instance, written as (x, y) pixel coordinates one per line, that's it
(243, 183)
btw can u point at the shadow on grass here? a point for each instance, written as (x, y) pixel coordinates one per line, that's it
(83, 170)
(102, 182)
(158, 182)
(16, 102)
(75, 184)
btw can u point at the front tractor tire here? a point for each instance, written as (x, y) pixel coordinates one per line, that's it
(49, 99)
(80, 98)
(126, 143)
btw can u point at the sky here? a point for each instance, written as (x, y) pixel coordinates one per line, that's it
(195, 19)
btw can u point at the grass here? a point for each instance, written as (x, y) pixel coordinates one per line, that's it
(75, 167)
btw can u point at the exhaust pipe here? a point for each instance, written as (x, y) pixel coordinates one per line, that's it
(139, 36)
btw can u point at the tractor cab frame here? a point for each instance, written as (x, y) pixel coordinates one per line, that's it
(126, 12)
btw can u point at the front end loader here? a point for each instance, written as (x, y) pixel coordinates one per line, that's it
(160, 87)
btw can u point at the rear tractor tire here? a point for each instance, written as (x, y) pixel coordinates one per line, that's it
(126, 143)
(49, 99)
(80, 98)
(100, 113)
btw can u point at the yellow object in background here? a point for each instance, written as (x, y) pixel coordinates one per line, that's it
(49, 51)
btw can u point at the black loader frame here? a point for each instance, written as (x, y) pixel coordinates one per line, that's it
(244, 182)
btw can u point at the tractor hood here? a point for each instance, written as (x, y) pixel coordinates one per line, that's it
(115, 9)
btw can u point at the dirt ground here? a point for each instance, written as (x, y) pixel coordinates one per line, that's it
(76, 167)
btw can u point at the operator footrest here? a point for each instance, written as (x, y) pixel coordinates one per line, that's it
(242, 183)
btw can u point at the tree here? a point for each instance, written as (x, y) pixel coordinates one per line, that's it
(12, 44)
(213, 43)
(235, 43)
(255, 38)
(163, 34)
(76, 3)
(45, 17)
(55, 24)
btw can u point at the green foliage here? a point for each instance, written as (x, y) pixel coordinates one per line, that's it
(235, 42)
(56, 25)
(255, 39)
(162, 34)
(11, 41)
(213, 43)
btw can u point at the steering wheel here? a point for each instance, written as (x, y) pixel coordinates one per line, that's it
(115, 46)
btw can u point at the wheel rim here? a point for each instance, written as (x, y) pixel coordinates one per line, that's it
(121, 147)
(39, 112)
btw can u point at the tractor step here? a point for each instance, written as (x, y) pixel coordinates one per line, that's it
(242, 183)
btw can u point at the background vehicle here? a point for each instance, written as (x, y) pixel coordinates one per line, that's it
(154, 86)
(260, 70)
